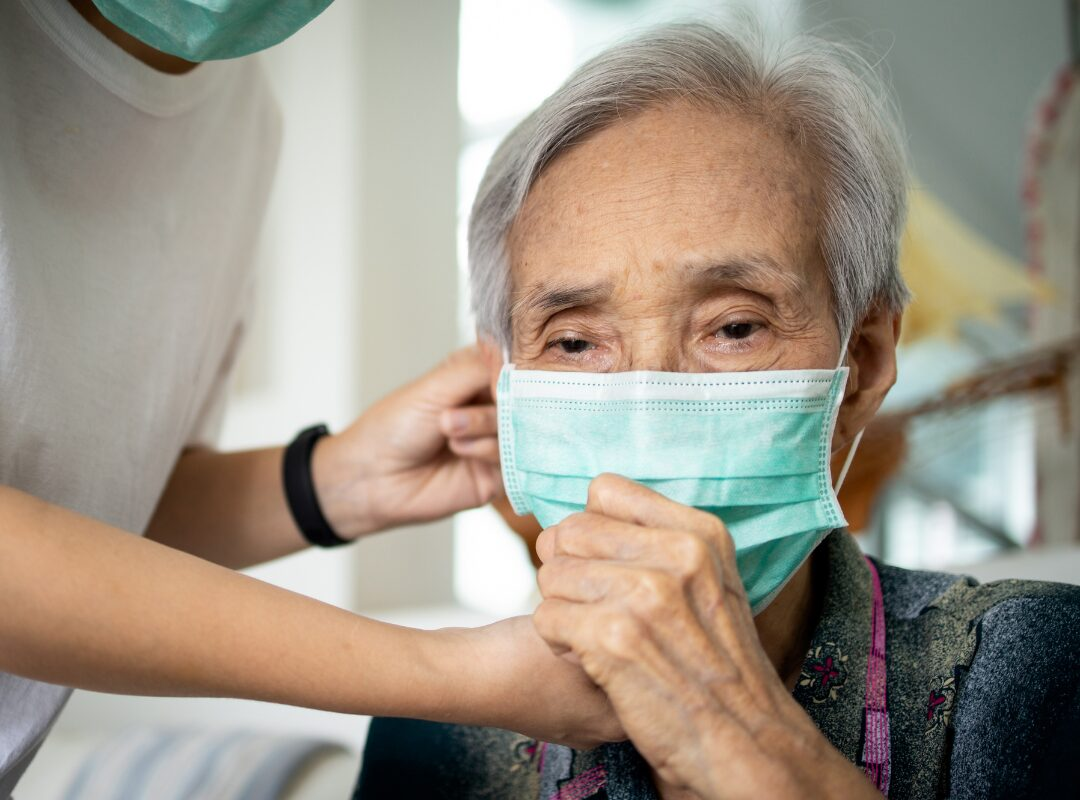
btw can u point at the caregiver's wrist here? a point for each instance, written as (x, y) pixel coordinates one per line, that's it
(452, 685)
(421, 673)
(476, 675)
(339, 488)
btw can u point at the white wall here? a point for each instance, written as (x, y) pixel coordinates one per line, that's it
(299, 363)
(407, 222)
(358, 286)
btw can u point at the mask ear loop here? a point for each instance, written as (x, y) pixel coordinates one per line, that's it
(858, 436)
(848, 460)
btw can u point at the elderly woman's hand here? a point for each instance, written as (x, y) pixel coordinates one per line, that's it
(645, 594)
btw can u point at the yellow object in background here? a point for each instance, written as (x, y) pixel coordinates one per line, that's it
(955, 273)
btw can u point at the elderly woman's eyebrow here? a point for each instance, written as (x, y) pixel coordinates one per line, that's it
(755, 272)
(542, 298)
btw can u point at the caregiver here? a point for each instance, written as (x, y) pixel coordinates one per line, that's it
(132, 183)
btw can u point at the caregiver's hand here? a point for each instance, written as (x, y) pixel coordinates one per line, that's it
(425, 451)
(645, 594)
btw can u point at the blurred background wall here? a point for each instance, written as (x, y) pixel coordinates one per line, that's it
(391, 110)
(391, 113)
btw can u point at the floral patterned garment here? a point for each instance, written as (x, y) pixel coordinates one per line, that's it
(983, 687)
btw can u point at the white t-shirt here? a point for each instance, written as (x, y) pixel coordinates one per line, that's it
(130, 203)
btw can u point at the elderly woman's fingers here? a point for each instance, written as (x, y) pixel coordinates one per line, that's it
(615, 496)
(622, 498)
(469, 422)
(659, 643)
(584, 581)
(650, 573)
(656, 594)
(678, 698)
(658, 703)
(593, 536)
(618, 498)
(703, 559)
(602, 637)
(558, 623)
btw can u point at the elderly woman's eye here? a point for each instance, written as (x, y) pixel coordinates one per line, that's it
(737, 330)
(571, 346)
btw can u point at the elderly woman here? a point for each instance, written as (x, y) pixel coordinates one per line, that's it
(684, 264)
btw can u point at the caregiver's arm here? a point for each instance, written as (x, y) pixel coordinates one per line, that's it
(89, 606)
(404, 460)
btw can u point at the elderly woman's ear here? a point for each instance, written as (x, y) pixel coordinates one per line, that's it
(871, 357)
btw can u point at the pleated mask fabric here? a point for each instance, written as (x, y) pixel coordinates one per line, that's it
(753, 448)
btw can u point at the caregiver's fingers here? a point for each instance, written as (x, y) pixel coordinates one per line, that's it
(482, 448)
(469, 422)
(462, 378)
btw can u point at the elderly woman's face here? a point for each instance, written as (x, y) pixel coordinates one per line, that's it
(679, 240)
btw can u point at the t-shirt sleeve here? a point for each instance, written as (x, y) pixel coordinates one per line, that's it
(1017, 722)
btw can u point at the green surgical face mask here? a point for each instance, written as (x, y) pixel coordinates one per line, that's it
(753, 448)
(206, 30)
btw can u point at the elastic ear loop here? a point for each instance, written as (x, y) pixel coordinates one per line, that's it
(848, 460)
(858, 436)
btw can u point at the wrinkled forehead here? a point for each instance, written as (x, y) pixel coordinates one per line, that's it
(675, 194)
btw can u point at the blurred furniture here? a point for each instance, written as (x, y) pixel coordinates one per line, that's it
(152, 763)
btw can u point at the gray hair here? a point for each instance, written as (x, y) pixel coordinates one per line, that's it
(827, 95)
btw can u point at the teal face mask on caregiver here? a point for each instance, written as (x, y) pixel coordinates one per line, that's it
(206, 30)
(753, 448)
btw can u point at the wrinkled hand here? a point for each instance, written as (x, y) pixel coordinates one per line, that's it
(644, 593)
(421, 453)
(532, 691)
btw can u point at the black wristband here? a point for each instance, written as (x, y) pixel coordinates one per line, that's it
(300, 489)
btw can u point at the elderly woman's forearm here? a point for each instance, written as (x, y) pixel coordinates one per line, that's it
(90, 606)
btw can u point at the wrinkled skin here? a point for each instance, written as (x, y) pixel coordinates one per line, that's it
(683, 239)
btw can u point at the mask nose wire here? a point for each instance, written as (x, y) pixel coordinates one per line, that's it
(858, 436)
